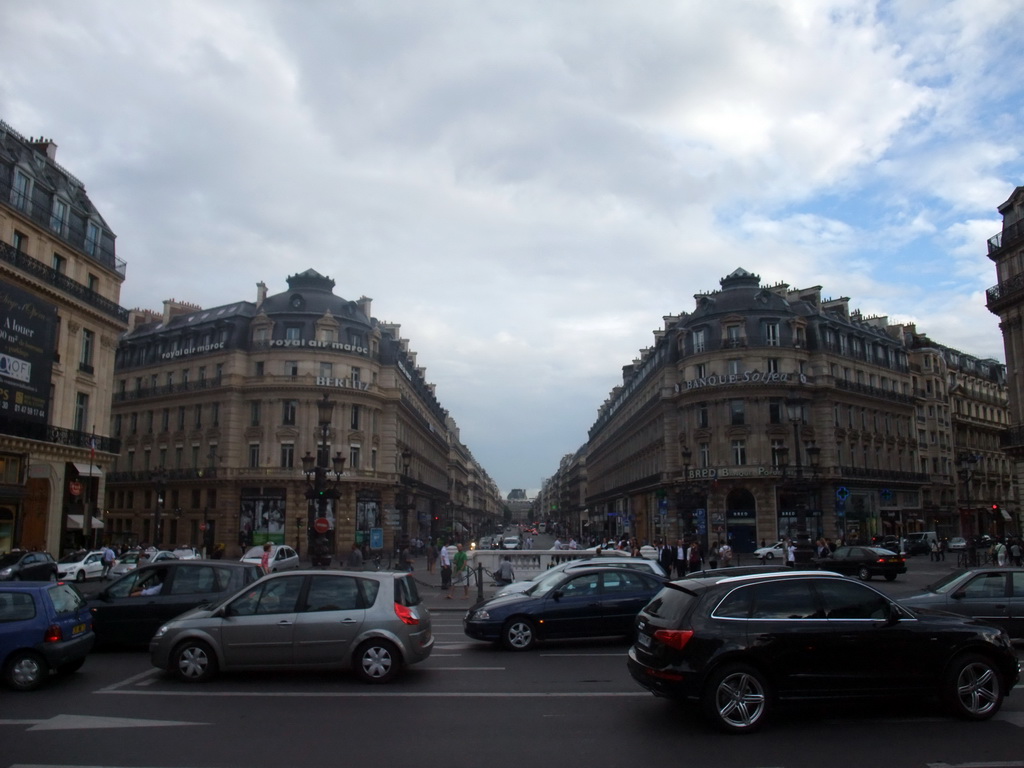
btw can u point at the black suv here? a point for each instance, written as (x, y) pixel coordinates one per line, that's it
(739, 645)
(27, 566)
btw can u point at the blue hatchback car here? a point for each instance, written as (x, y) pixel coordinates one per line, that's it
(44, 627)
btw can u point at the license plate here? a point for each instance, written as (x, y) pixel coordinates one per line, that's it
(644, 640)
(79, 629)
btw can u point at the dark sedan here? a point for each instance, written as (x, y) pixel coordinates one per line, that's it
(130, 610)
(582, 602)
(995, 595)
(864, 562)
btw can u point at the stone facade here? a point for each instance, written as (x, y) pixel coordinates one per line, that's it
(61, 283)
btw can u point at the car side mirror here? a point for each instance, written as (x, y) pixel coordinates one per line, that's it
(557, 594)
(958, 595)
(892, 615)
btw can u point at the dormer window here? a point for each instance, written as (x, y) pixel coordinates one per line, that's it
(59, 216)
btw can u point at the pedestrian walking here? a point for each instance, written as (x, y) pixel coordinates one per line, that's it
(446, 568)
(108, 559)
(460, 573)
(680, 559)
(354, 561)
(725, 555)
(431, 556)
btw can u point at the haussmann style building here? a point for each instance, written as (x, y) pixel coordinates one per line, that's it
(769, 412)
(295, 418)
(60, 321)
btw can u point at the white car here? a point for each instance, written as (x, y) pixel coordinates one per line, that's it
(282, 557)
(778, 549)
(133, 558)
(187, 553)
(511, 542)
(79, 566)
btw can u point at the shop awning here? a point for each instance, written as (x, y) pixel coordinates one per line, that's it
(75, 522)
(86, 469)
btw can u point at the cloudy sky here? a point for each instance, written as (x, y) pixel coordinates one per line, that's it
(528, 187)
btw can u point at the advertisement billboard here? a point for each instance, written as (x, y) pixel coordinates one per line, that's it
(27, 325)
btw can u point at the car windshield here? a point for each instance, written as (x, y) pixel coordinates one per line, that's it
(11, 558)
(74, 557)
(255, 552)
(947, 583)
(129, 557)
(546, 583)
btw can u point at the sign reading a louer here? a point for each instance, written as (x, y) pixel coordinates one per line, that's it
(27, 325)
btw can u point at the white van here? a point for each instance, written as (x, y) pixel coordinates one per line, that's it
(920, 543)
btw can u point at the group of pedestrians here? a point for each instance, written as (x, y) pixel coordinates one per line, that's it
(683, 557)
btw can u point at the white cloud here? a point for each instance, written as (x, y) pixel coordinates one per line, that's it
(528, 188)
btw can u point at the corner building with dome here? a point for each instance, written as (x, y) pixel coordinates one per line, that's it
(226, 438)
(771, 412)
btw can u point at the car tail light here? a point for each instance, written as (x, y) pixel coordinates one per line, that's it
(405, 614)
(53, 634)
(674, 638)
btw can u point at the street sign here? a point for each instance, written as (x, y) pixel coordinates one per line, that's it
(203, 526)
(75, 488)
(376, 538)
(842, 493)
(321, 525)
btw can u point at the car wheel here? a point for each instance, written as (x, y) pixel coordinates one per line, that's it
(25, 671)
(973, 689)
(890, 577)
(519, 634)
(377, 661)
(80, 576)
(193, 661)
(71, 666)
(769, 556)
(736, 699)
(863, 573)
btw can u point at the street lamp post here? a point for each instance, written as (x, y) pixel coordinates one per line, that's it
(800, 485)
(159, 478)
(967, 462)
(407, 497)
(323, 485)
(691, 492)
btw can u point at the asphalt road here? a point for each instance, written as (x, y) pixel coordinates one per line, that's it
(570, 704)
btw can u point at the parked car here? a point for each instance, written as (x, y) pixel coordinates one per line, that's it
(132, 608)
(736, 570)
(373, 623)
(776, 550)
(187, 553)
(574, 603)
(27, 566)
(993, 594)
(617, 561)
(81, 565)
(864, 562)
(44, 628)
(957, 544)
(282, 557)
(740, 646)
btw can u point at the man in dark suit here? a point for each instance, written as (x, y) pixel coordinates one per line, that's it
(666, 556)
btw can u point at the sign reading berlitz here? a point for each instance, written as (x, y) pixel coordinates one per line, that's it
(27, 324)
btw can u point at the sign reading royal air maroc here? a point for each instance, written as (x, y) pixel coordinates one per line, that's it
(26, 354)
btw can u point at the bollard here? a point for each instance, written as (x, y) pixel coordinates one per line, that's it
(479, 582)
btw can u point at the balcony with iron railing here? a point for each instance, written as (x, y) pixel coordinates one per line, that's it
(63, 283)
(1010, 235)
(47, 433)
(169, 389)
(1006, 293)
(71, 232)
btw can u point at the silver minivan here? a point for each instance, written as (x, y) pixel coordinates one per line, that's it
(372, 623)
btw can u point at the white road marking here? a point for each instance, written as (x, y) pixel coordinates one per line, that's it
(91, 722)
